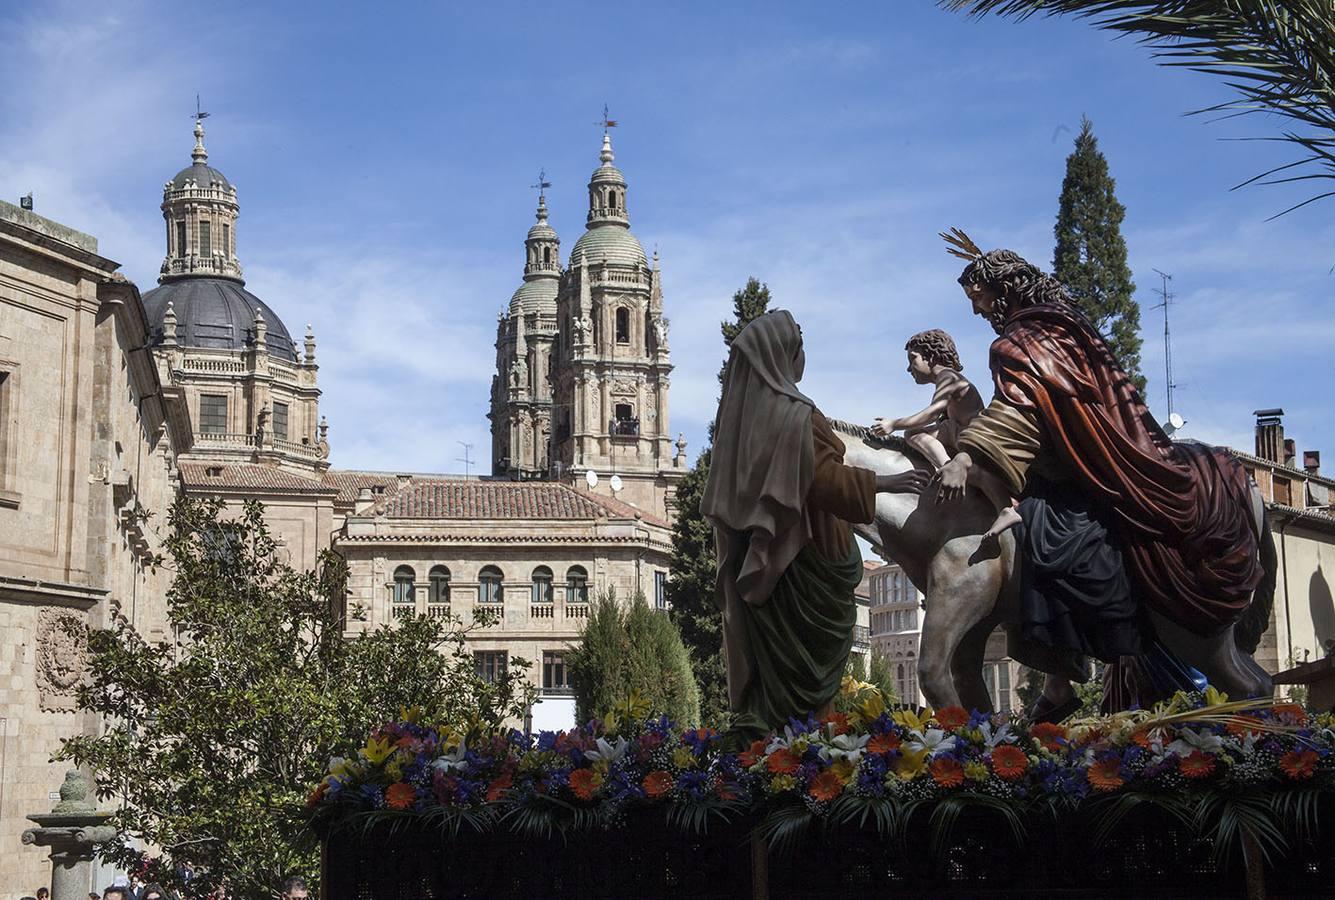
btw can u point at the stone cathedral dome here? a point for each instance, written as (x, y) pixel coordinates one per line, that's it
(608, 235)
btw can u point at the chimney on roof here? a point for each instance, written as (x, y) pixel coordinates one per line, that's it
(1312, 462)
(365, 501)
(1290, 453)
(1270, 434)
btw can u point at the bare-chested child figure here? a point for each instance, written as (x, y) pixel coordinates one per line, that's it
(933, 431)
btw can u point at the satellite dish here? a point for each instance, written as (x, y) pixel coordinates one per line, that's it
(1174, 423)
(591, 477)
(615, 482)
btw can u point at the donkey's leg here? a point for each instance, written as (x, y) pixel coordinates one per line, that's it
(1218, 657)
(960, 595)
(966, 668)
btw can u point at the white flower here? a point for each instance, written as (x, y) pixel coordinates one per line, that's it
(1189, 741)
(451, 759)
(606, 751)
(784, 740)
(1001, 736)
(845, 746)
(933, 740)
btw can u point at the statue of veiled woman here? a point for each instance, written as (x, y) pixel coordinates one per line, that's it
(781, 500)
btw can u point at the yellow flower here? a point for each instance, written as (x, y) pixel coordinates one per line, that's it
(377, 750)
(682, 758)
(799, 745)
(394, 768)
(845, 769)
(911, 764)
(450, 740)
(911, 720)
(410, 714)
(600, 768)
(1214, 697)
(871, 704)
(975, 771)
(780, 783)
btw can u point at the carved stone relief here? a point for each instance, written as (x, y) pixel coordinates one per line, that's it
(62, 658)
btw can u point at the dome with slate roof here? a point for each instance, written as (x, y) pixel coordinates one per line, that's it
(217, 314)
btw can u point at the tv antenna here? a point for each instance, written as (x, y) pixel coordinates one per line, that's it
(542, 184)
(467, 458)
(1166, 299)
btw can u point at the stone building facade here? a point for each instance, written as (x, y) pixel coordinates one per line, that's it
(89, 440)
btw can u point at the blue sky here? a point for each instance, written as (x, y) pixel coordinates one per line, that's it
(384, 155)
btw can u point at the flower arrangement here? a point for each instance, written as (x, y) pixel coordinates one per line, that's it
(864, 761)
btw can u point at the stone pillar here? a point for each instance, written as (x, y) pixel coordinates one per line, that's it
(71, 830)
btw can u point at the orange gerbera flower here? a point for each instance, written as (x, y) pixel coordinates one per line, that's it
(1141, 738)
(1298, 764)
(838, 722)
(826, 786)
(752, 755)
(1243, 725)
(883, 743)
(952, 717)
(657, 783)
(783, 761)
(400, 795)
(947, 772)
(582, 783)
(1049, 734)
(1106, 775)
(1009, 762)
(1196, 765)
(499, 786)
(1291, 714)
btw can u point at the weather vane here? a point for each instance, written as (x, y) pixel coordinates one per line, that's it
(542, 184)
(606, 122)
(200, 115)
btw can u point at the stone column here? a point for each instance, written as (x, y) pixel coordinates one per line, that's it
(71, 830)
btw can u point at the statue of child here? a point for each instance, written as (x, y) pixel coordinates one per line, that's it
(933, 430)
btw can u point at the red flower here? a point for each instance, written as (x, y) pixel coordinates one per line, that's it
(499, 786)
(400, 795)
(1243, 725)
(656, 784)
(1049, 735)
(1291, 714)
(838, 721)
(723, 791)
(947, 772)
(783, 761)
(582, 783)
(883, 743)
(952, 717)
(1009, 762)
(827, 785)
(752, 755)
(1106, 774)
(318, 794)
(1298, 764)
(1196, 765)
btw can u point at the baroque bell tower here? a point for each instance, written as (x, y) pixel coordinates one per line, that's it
(611, 414)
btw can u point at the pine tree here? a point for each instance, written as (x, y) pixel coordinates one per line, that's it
(632, 649)
(691, 588)
(1090, 257)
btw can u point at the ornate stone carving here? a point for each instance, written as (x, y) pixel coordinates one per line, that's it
(62, 658)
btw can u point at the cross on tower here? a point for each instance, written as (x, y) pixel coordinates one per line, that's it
(606, 122)
(200, 115)
(542, 184)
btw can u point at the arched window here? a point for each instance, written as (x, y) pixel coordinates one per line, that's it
(623, 325)
(547, 254)
(612, 199)
(489, 585)
(542, 585)
(440, 585)
(404, 593)
(577, 585)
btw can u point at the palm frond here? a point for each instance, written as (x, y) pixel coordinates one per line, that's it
(785, 826)
(1238, 819)
(1277, 55)
(1108, 812)
(961, 245)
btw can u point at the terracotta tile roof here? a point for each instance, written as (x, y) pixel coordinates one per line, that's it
(247, 477)
(349, 484)
(446, 499)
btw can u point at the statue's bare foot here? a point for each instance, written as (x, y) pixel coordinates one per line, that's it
(1007, 519)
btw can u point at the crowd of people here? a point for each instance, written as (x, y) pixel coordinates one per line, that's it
(123, 888)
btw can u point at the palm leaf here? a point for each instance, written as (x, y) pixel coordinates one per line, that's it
(1279, 57)
(785, 826)
(1238, 818)
(1108, 812)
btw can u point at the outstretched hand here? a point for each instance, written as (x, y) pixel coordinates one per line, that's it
(884, 426)
(911, 482)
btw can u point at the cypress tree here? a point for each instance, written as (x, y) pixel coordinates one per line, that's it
(1090, 256)
(691, 588)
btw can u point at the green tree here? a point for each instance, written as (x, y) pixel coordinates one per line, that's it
(1090, 257)
(211, 745)
(879, 674)
(632, 650)
(1274, 54)
(691, 588)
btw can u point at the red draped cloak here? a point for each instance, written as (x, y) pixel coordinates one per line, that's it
(1181, 510)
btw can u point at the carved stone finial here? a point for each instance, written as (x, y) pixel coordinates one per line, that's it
(75, 794)
(169, 325)
(310, 345)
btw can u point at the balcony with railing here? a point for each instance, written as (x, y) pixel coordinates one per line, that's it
(861, 637)
(624, 427)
